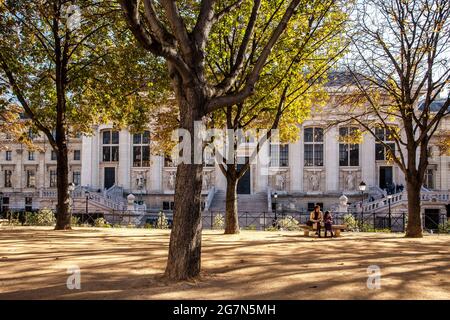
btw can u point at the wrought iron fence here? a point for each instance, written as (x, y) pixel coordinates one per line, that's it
(396, 222)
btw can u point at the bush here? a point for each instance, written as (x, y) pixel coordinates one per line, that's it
(350, 221)
(148, 226)
(368, 228)
(162, 222)
(13, 218)
(219, 222)
(101, 223)
(272, 228)
(250, 227)
(46, 217)
(444, 227)
(30, 219)
(288, 223)
(74, 221)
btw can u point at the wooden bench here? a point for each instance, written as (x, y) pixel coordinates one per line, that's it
(336, 229)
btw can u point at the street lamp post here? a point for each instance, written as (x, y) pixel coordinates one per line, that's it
(70, 190)
(1, 202)
(87, 194)
(389, 197)
(275, 196)
(362, 188)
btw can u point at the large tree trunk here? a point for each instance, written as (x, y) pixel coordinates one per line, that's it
(185, 240)
(63, 213)
(231, 213)
(414, 225)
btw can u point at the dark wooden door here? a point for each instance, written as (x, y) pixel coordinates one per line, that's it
(243, 186)
(110, 177)
(385, 177)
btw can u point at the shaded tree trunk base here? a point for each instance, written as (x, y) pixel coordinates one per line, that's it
(231, 213)
(63, 228)
(414, 226)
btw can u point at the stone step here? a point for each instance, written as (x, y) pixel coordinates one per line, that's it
(246, 202)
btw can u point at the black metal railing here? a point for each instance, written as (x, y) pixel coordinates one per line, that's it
(369, 222)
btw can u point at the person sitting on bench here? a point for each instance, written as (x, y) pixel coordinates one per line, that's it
(315, 219)
(328, 222)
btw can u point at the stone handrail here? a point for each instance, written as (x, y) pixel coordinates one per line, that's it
(441, 196)
(99, 198)
(384, 202)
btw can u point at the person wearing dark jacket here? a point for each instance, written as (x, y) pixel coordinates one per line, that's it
(328, 222)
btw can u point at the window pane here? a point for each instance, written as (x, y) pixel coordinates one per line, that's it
(388, 136)
(390, 149)
(379, 151)
(274, 155)
(318, 134)
(106, 154)
(343, 131)
(137, 138)
(137, 156)
(76, 178)
(343, 154)
(52, 179)
(106, 137)
(308, 155)
(309, 135)
(31, 179)
(318, 155)
(146, 156)
(8, 174)
(115, 137)
(354, 154)
(76, 155)
(379, 133)
(114, 153)
(284, 155)
(146, 137)
(353, 130)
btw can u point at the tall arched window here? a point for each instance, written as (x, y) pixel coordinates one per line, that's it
(313, 147)
(382, 152)
(141, 149)
(279, 155)
(110, 139)
(348, 152)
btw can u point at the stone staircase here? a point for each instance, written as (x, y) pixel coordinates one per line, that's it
(246, 202)
(401, 198)
(105, 202)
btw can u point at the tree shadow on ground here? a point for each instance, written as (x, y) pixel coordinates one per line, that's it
(128, 264)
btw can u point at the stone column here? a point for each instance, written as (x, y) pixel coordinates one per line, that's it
(96, 154)
(443, 168)
(125, 154)
(86, 161)
(41, 172)
(262, 168)
(156, 171)
(331, 159)
(296, 164)
(367, 160)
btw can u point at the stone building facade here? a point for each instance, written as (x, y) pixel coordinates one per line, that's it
(317, 168)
